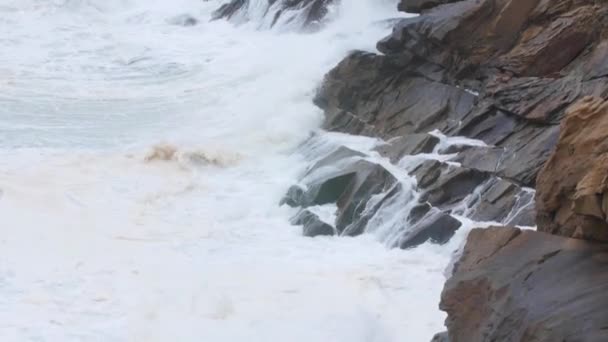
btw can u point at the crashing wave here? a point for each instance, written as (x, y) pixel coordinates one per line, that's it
(289, 14)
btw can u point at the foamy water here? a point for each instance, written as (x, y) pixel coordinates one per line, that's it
(141, 167)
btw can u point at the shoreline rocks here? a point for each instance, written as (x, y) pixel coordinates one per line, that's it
(500, 75)
(514, 285)
(505, 73)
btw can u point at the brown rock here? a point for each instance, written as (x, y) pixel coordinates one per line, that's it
(572, 184)
(526, 286)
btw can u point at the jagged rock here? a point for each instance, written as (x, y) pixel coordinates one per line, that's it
(572, 184)
(322, 192)
(428, 172)
(418, 212)
(410, 144)
(371, 180)
(311, 11)
(526, 146)
(295, 197)
(358, 225)
(526, 150)
(453, 186)
(502, 201)
(397, 104)
(485, 159)
(416, 6)
(346, 179)
(527, 286)
(540, 99)
(346, 122)
(227, 10)
(330, 185)
(312, 224)
(436, 227)
(335, 158)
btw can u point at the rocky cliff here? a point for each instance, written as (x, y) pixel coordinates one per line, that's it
(486, 111)
(513, 285)
(539, 69)
(505, 74)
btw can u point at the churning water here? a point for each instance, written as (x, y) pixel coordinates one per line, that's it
(141, 167)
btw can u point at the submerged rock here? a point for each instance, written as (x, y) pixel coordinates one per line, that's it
(311, 224)
(184, 20)
(524, 286)
(308, 13)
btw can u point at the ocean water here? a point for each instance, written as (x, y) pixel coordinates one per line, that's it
(141, 167)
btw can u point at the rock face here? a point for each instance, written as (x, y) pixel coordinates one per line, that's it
(312, 225)
(467, 100)
(572, 187)
(520, 286)
(502, 72)
(501, 75)
(306, 14)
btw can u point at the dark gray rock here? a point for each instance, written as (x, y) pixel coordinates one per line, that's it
(436, 227)
(416, 6)
(227, 10)
(371, 180)
(312, 224)
(410, 144)
(359, 224)
(295, 197)
(311, 12)
(346, 179)
(428, 172)
(485, 159)
(334, 158)
(330, 187)
(453, 186)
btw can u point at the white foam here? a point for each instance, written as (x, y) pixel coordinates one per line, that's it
(99, 241)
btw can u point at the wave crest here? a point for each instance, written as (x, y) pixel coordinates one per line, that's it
(165, 152)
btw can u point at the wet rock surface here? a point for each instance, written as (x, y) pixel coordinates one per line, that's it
(410, 144)
(312, 225)
(490, 111)
(436, 227)
(514, 285)
(305, 14)
(503, 74)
